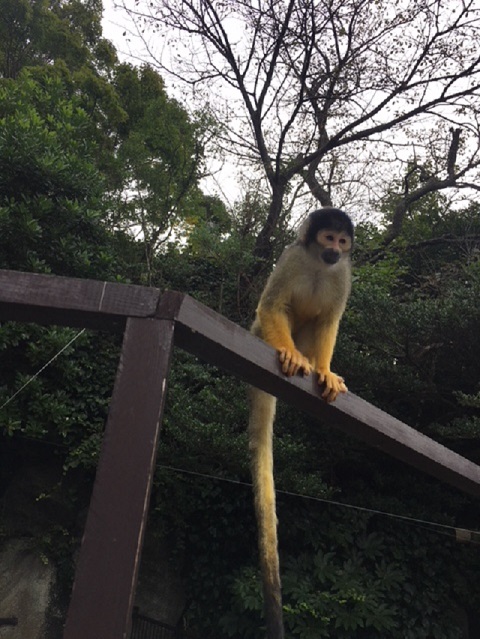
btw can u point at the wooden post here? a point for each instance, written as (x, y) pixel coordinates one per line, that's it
(107, 569)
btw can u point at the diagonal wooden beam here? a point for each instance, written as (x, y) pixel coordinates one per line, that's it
(215, 339)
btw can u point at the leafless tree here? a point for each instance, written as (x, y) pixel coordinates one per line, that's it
(314, 82)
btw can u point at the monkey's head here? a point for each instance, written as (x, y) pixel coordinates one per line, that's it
(330, 231)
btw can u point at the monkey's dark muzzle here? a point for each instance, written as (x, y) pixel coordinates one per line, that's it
(330, 256)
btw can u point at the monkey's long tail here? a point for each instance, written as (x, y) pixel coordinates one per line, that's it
(262, 414)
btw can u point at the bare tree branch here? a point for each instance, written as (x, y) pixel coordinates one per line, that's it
(321, 78)
(429, 184)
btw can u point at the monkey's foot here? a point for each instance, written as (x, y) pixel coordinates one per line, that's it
(292, 361)
(334, 384)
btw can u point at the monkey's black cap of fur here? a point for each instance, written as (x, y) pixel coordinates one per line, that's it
(327, 218)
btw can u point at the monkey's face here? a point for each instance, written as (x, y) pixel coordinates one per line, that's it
(327, 233)
(333, 244)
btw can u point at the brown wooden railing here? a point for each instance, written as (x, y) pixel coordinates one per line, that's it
(152, 322)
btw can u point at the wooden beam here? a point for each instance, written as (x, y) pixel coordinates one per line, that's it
(216, 340)
(48, 299)
(107, 568)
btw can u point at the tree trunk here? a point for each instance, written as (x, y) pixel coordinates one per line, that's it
(263, 246)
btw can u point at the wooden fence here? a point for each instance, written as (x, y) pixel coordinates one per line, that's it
(151, 323)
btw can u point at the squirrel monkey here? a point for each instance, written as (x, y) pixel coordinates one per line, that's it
(298, 314)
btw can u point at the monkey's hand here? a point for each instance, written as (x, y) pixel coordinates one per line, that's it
(334, 384)
(292, 361)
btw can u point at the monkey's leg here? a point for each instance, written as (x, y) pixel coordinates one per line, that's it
(325, 338)
(262, 414)
(276, 331)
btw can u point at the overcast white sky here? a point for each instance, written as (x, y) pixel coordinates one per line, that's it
(114, 23)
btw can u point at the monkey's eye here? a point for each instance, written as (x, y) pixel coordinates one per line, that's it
(342, 240)
(330, 238)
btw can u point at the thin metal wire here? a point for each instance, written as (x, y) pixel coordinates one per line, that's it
(420, 522)
(39, 372)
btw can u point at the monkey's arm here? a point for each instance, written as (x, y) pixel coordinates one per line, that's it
(275, 329)
(325, 338)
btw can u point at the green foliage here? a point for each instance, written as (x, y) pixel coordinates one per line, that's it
(50, 190)
(210, 267)
(52, 203)
(204, 434)
(197, 415)
(350, 577)
(36, 33)
(410, 317)
(66, 406)
(160, 152)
